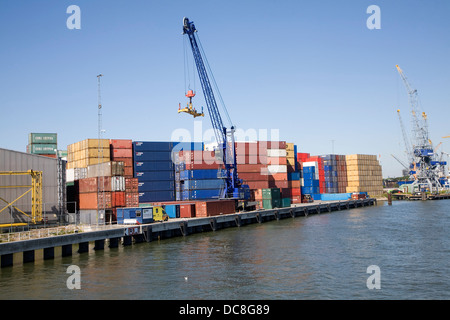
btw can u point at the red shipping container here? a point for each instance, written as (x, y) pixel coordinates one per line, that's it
(128, 172)
(251, 159)
(192, 166)
(258, 184)
(296, 199)
(121, 153)
(272, 144)
(254, 168)
(118, 199)
(294, 184)
(187, 210)
(282, 176)
(276, 160)
(121, 143)
(94, 184)
(248, 176)
(250, 148)
(127, 162)
(278, 184)
(131, 199)
(214, 208)
(131, 184)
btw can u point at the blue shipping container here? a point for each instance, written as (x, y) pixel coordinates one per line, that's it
(154, 196)
(308, 176)
(172, 210)
(200, 194)
(154, 175)
(310, 183)
(139, 146)
(316, 196)
(201, 174)
(140, 156)
(293, 176)
(164, 185)
(153, 165)
(309, 169)
(203, 184)
(187, 146)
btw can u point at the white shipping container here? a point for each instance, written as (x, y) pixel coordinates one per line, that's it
(276, 152)
(310, 164)
(277, 169)
(118, 183)
(70, 175)
(80, 173)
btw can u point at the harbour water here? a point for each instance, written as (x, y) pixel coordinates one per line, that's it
(322, 256)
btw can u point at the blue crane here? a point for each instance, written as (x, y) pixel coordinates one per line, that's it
(224, 137)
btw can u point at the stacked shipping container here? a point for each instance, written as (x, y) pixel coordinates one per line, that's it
(43, 144)
(364, 174)
(335, 172)
(154, 167)
(198, 175)
(87, 152)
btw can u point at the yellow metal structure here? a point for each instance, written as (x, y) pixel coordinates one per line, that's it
(191, 110)
(36, 193)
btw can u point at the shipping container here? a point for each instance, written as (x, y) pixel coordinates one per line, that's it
(106, 169)
(155, 175)
(121, 144)
(163, 185)
(187, 210)
(172, 210)
(152, 196)
(214, 207)
(50, 138)
(42, 148)
(94, 200)
(140, 166)
(152, 156)
(203, 184)
(202, 174)
(200, 194)
(142, 146)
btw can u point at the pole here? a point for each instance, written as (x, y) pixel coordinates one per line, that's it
(99, 184)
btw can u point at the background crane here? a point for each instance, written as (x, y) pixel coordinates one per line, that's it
(224, 136)
(426, 167)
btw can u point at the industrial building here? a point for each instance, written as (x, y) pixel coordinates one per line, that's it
(17, 187)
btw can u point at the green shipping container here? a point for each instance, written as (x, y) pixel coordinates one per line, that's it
(286, 202)
(271, 203)
(42, 148)
(273, 193)
(45, 138)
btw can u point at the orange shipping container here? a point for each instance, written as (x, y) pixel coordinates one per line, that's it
(121, 153)
(121, 143)
(94, 200)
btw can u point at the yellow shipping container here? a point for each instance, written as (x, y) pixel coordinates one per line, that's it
(290, 147)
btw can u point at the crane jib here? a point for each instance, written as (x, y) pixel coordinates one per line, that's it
(233, 183)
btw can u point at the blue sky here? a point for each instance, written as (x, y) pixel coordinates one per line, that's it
(310, 69)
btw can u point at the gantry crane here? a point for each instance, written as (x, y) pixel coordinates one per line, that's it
(225, 137)
(424, 165)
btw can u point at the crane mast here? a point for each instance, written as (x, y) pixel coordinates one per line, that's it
(224, 136)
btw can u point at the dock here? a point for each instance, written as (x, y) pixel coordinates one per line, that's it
(28, 243)
(413, 197)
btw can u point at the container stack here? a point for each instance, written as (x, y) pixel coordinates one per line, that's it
(364, 174)
(105, 188)
(198, 175)
(311, 179)
(122, 150)
(154, 169)
(271, 198)
(293, 191)
(335, 172)
(277, 164)
(88, 152)
(342, 174)
(43, 144)
(251, 159)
